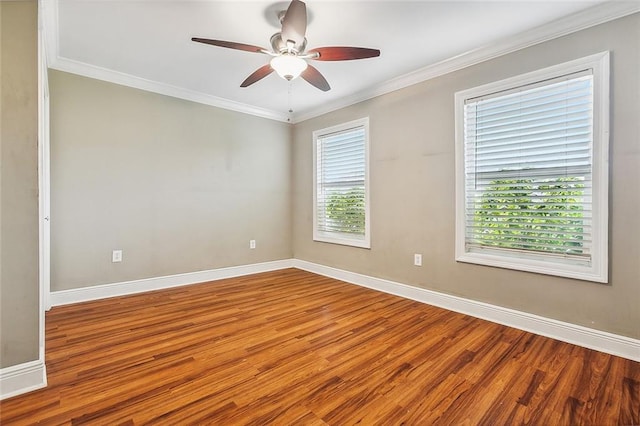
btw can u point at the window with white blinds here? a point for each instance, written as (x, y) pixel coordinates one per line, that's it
(341, 213)
(528, 154)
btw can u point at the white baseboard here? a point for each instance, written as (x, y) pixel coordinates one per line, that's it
(22, 378)
(84, 294)
(602, 341)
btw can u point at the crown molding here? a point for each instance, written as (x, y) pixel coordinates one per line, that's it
(99, 73)
(593, 16)
(48, 23)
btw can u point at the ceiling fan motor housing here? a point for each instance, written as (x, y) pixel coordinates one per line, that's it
(288, 46)
(281, 46)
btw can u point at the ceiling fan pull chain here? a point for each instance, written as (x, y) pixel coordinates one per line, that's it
(289, 89)
(288, 46)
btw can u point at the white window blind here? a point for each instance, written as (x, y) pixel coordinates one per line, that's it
(532, 171)
(528, 169)
(341, 185)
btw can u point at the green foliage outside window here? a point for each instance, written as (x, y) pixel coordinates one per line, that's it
(535, 215)
(346, 210)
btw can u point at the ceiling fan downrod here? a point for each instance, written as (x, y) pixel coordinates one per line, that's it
(288, 51)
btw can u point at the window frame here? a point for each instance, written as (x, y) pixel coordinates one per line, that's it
(597, 269)
(336, 237)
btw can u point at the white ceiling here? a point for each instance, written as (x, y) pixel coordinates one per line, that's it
(146, 44)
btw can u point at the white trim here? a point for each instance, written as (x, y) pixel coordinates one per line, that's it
(600, 173)
(599, 14)
(84, 294)
(602, 341)
(22, 378)
(104, 74)
(335, 237)
(44, 187)
(48, 10)
(29, 376)
(597, 269)
(596, 15)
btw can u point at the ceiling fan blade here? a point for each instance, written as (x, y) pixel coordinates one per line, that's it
(313, 76)
(230, 45)
(343, 53)
(294, 23)
(257, 75)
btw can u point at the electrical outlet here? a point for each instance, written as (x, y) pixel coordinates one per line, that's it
(417, 259)
(252, 244)
(116, 256)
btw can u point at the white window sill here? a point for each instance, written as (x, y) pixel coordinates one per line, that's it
(585, 272)
(361, 242)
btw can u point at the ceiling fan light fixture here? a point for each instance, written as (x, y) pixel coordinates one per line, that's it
(288, 51)
(288, 66)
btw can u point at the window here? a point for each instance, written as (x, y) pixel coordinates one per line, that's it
(531, 171)
(341, 184)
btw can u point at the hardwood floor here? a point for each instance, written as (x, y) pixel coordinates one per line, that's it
(290, 347)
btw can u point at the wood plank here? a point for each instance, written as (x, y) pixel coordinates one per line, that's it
(291, 347)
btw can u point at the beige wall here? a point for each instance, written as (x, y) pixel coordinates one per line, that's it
(182, 187)
(19, 335)
(178, 186)
(412, 189)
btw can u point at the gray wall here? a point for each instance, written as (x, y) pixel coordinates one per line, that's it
(181, 187)
(178, 186)
(19, 336)
(412, 189)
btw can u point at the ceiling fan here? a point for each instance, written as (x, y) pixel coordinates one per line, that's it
(289, 58)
